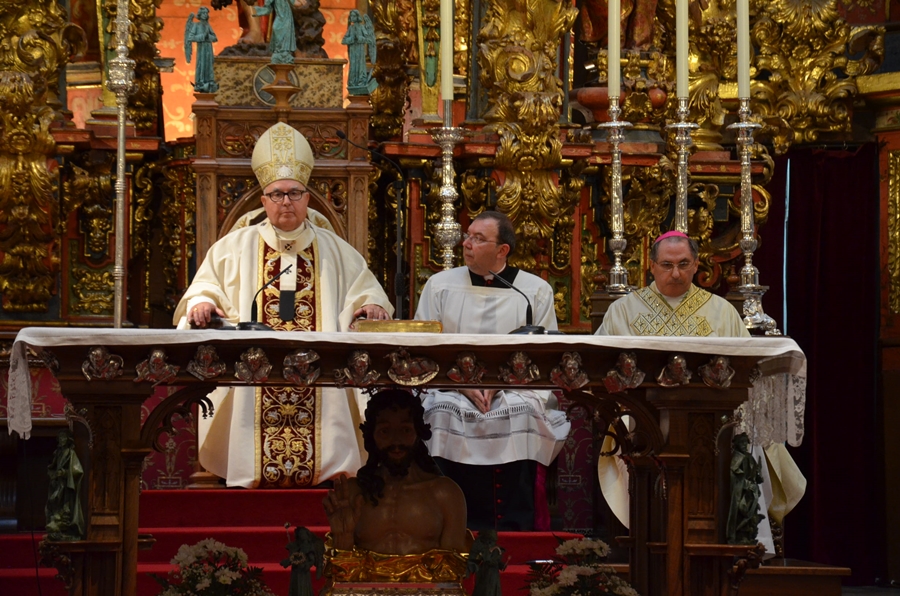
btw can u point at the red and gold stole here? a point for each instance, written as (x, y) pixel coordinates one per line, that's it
(287, 415)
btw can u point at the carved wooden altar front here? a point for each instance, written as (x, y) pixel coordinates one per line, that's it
(677, 524)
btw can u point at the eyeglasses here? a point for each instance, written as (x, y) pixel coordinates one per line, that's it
(477, 239)
(669, 267)
(277, 196)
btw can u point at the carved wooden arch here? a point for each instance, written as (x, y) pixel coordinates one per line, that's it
(252, 200)
(160, 419)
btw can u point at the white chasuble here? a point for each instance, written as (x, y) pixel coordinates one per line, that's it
(697, 313)
(287, 436)
(647, 312)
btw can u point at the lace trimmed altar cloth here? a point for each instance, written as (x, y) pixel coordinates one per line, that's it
(773, 413)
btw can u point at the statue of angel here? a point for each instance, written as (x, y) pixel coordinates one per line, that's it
(359, 39)
(201, 33)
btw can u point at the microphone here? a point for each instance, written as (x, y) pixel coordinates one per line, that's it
(528, 328)
(399, 285)
(253, 324)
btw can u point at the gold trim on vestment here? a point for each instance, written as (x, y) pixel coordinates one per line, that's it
(289, 416)
(663, 320)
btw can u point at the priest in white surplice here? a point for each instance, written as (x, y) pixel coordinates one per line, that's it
(490, 441)
(673, 306)
(282, 437)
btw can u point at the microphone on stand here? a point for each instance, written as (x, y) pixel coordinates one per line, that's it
(399, 280)
(253, 324)
(528, 328)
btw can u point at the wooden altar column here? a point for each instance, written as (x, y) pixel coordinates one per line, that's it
(679, 505)
(105, 562)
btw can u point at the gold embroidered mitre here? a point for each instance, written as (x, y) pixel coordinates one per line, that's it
(282, 153)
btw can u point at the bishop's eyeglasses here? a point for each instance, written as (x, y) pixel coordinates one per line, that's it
(668, 267)
(277, 196)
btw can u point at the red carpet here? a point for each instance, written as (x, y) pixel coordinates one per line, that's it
(251, 520)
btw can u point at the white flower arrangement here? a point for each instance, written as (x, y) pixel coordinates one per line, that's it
(210, 568)
(578, 569)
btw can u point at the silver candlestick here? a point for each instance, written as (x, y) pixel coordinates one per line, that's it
(120, 82)
(754, 316)
(683, 130)
(447, 231)
(618, 275)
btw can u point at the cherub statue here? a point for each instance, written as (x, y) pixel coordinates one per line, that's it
(717, 373)
(359, 39)
(625, 376)
(253, 367)
(201, 33)
(675, 373)
(467, 369)
(569, 375)
(155, 369)
(307, 550)
(520, 371)
(100, 364)
(357, 373)
(206, 364)
(299, 368)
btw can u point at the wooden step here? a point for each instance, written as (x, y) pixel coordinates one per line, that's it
(790, 577)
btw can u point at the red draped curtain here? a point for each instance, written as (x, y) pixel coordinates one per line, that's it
(832, 313)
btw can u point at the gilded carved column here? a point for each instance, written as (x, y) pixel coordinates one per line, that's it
(36, 42)
(517, 58)
(395, 30)
(29, 242)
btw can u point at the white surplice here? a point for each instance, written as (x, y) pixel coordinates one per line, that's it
(522, 424)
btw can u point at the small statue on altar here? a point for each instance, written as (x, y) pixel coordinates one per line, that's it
(743, 514)
(65, 520)
(486, 562)
(360, 39)
(306, 550)
(283, 42)
(199, 32)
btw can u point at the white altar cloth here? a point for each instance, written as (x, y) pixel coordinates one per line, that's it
(781, 362)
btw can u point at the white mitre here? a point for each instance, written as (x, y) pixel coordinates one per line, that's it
(282, 153)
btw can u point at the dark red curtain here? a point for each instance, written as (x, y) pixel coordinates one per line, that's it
(832, 313)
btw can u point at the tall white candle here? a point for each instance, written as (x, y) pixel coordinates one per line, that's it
(614, 74)
(447, 49)
(682, 50)
(743, 43)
